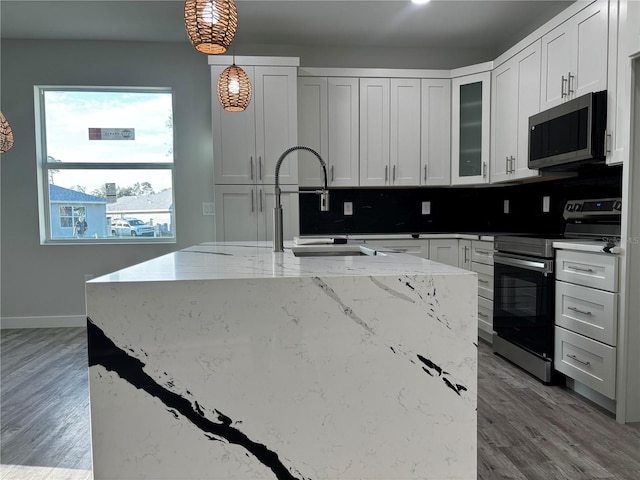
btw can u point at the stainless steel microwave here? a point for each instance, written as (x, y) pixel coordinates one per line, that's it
(569, 136)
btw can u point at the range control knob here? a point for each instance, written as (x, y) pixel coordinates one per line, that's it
(577, 207)
(569, 207)
(617, 205)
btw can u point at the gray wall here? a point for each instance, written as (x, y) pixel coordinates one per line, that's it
(48, 280)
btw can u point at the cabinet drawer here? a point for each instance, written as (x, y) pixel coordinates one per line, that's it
(417, 247)
(587, 361)
(482, 252)
(590, 312)
(485, 279)
(485, 315)
(588, 269)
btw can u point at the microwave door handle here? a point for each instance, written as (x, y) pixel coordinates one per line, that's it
(518, 262)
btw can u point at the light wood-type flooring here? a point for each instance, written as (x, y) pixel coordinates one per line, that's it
(525, 430)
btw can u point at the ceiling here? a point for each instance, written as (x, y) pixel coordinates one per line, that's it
(488, 24)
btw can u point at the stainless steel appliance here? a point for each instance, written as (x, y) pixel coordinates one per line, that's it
(569, 136)
(524, 284)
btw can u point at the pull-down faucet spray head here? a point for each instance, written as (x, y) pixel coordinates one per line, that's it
(278, 240)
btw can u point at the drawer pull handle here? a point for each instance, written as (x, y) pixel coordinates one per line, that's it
(577, 310)
(482, 280)
(578, 269)
(483, 315)
(482, 252)
(578, 360)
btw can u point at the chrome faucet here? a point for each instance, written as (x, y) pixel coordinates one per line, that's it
(278, 245)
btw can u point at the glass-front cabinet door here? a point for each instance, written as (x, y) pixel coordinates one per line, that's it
(470, 131)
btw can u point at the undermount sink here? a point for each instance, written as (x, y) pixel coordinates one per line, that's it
(332, 251)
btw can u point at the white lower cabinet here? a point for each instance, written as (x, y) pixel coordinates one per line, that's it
(444, 251)
(464, 254)
(485, 318)
(245, 213)
(482, 264)
(586, 319)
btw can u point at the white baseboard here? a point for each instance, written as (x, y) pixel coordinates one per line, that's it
(44, 322)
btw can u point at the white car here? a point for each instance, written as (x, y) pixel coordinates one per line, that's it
(131, 227)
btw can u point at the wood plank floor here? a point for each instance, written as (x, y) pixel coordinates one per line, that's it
(525, 430)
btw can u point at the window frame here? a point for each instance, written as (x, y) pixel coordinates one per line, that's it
(44, 166)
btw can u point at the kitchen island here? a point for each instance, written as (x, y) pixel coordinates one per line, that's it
(230, 361)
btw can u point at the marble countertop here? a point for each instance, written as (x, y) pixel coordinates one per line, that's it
(254, 260)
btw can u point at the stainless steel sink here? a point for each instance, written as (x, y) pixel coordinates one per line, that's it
(332, 251)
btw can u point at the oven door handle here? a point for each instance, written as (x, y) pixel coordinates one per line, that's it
(543, 267)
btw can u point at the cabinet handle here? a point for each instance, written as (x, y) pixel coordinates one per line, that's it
(260, 200)
(506, 163)
(484, 169)
(578, 360)
(482, 280)
(482, 252)
(253, 201)
(394, 174)
(577, 310)
(466, 254)
(259, 168)
(569, 91)
(607, 143)
(578, 269)
(513, 162)
(251, 166)
(483, 315)
(332, 173)
(425, 173)
(386, 173)
(562, 92)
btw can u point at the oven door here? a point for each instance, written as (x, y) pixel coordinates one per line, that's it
(523, 311)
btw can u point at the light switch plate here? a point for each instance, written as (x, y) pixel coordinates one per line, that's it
(546, 204)
(506, 206)
(208, 208)
(348, 208)
(426, 208)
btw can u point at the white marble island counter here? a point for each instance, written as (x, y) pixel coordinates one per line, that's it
(229, 361)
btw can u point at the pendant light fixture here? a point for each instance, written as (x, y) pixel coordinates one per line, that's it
(234, 89)
(211, 24)
(6, 135)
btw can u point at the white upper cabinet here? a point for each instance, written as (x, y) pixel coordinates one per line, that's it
(574, 56)
(328, 123)
(247, 144)
(515, 97)
(470, 128)
(436, 132)
(405, 138)
(374, 131)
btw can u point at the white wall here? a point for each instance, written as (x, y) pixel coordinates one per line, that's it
(44, 284)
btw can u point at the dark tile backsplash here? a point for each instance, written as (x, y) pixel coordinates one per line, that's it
(456, 209)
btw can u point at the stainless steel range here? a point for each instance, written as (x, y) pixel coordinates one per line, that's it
(524, 283)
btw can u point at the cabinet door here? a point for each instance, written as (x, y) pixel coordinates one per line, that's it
(312, 129)
(234, 147)
(404, 158)
(504, 130)
(557, 52)
(276, 122)
(528, 65)
(236, 213)
(590, 61)
(444, 251)
(470, 135)
(435, 143)
(290, 213)
(343, 115)
(464, 254)
(374, 131)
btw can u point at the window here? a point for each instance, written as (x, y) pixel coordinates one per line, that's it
(105, 159)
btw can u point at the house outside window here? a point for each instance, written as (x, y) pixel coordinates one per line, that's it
(105, 155)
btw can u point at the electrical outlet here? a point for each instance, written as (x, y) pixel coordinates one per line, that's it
(208, 208)
(348, 208)
(546, 204)
(426, 208)
(506, 206)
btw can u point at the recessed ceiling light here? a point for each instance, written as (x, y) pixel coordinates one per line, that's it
(419, 2)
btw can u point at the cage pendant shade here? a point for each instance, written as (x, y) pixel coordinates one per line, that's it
(6, 135)
(234, 89)
(211, 24)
